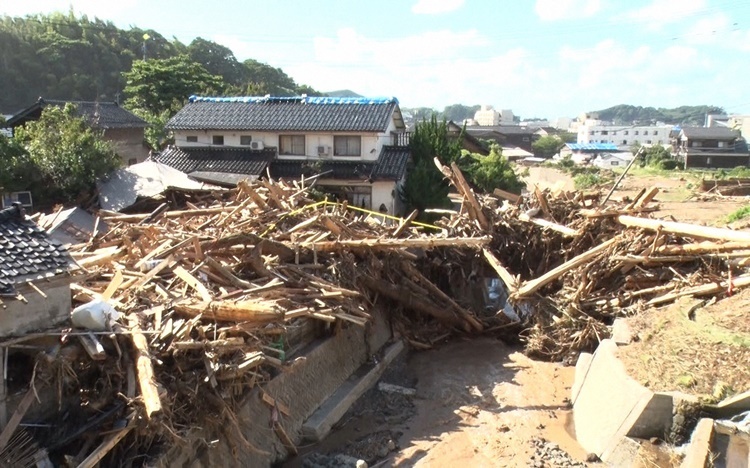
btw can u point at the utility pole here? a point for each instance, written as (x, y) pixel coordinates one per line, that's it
(145, 38)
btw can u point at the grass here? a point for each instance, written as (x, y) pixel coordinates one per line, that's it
(742, 213)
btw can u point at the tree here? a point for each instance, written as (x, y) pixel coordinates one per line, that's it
(18, 173)
(67, 155)
(217, 60)
(493, 171)
(547, 146)
(164, 85)
(264, 79)
(658, 157)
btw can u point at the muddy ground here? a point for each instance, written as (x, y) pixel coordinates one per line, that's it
(478, 402)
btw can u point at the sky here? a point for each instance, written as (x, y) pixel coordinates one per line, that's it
(540, 58)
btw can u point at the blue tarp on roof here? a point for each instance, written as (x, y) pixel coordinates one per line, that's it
(300, 99)
(592, 146)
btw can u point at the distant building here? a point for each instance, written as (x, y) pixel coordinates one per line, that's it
(709, 147)
(120, 126)
(561, 123)
(624, 136)
(740, 123)
(513, 135)
(487, 116)
(507, 117)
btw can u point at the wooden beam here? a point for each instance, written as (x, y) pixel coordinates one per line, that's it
(193, 282)
(118, 217)
(405, 223)
(17, 417)
(685, 229)
(243, 311)
(564, 230)
(701, 248)
(107, 445)
(510, 281)
(530, 287)
(703, 290)
(511, 197)
(144, 369)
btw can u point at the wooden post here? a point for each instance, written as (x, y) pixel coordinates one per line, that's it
(18, 415)
(622, 176)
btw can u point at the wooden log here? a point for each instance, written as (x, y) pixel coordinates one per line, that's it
(463, 187)
(564, 230)
(530, 287)
(426, 243)
(252, 360)
(107, 255)
(597, 213)
(227, 273)
(622, 176)
(243, 311)
(685, 229)
(414, 302)
(703, 290)
(144, 369)
(232, 342)
(510, 281)
(646, 198)
(130, 218)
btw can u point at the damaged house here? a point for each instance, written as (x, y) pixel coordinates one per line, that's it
(352, 144)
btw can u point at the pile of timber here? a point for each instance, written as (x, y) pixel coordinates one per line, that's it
(214, 293)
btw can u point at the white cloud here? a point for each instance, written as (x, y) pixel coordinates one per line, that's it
(555, 10)
(436, 7)
(661, 12)
(98, 8)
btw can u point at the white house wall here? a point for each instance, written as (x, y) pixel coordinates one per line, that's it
(616, 134)
(372, 143)
(383, 192)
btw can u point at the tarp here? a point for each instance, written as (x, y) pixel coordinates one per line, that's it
(300, 99)
(124, 186)
(592, 146)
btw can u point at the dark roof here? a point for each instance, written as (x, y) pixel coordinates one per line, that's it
(27, 252)
(719, 133)
(228, 160)
(295, 114)
(391, 165)
(98, 114)
(501, 129)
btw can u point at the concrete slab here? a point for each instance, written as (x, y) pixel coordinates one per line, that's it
(582, 368)
(625, 453)
(733, 405)
(622, 334)
(610, 406)
(322, 420)
(698, 453)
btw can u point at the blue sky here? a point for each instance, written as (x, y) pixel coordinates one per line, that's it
(541, 58)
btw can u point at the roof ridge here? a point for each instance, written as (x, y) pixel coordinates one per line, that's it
(13, 212)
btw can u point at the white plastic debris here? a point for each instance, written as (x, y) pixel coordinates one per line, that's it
(96, 315)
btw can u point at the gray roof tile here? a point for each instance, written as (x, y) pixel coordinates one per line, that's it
(229, 160)
(285, 115)
(99, 114)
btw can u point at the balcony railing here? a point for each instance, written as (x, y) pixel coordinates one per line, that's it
(400, 139)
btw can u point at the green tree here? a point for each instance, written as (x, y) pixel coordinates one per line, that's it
(658, 157)
(547, 146)
(217, 60)
(18, 173)
(68, 155)
(164, 85)
(494, 171)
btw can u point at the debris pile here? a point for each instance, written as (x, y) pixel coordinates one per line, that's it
(216, 295)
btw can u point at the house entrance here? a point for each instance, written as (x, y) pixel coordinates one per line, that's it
(360, 196)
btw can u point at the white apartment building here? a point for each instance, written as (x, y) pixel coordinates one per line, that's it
(487, 116)
(624, 135)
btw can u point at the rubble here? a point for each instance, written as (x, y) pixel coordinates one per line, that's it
(217, 290)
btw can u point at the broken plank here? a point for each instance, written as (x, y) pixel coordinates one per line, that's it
(530, 287)
(243, 311)
(17, 417)
(685, 229)
(107, 445)
(703, 290)
(405, 223)
(193, 282)
(564, 230)
(511, 197)
(511, 283)
(330, 246)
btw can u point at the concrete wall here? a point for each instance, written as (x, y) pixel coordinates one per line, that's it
(303, 388)
(128, 143)
(17, 317)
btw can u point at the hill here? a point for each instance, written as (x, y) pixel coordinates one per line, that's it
(61, 56)
(343, 93)
(684, 115)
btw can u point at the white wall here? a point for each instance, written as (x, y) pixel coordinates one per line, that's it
(372, 143)
(39, 312)
(624, 135)
(383, 192)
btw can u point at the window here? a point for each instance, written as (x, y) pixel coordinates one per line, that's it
(659, 142)
(645, 132)
(627, 132)
(217, 139)
(624, 142)
(525, 138)
(636, 132)
(614, 163)
(591, 132)
(721, 144)
(192, 139)
(656, 132)
(696, 144)
(359, 196)
(605, 132)
(132, 161)
(347, 145)
(292, 144)
(648, 142)
(708, 161)
(245, 139)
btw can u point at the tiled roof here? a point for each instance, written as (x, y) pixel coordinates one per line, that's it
(230, 160)
(392, 163)
(286, 115)
(501, 129)
(27, 252)
(98, 114)
(719, 133)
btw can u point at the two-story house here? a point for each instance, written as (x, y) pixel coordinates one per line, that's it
(119, 126)
(354, 145)
(711, 147)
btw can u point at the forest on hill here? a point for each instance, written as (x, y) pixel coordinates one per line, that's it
(62, 56)
(624, 114)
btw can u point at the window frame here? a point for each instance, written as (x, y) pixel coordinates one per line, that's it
(249, 141)
(217, 140)
(293, 143)
(191, 138)
(349, 151)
